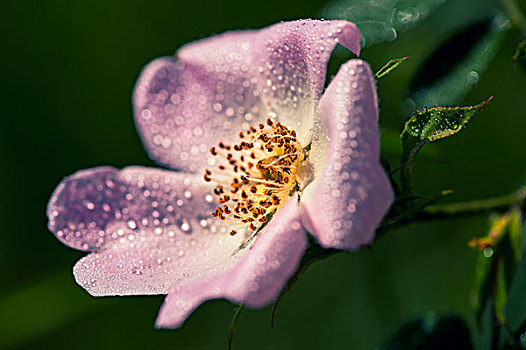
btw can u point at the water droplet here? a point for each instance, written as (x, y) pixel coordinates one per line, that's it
(487, 252)
(132, 224)
(185, 226)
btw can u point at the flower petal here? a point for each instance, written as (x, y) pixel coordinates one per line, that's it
(217, 86)
(149, 228)
(351, 193)
(255, 281)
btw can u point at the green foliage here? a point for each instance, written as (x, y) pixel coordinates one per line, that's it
(381, 21)
(496, 275)
(389, 66)
(455, 67)
(431, 332)
(515, 309)
(520, 54)
(428, 125)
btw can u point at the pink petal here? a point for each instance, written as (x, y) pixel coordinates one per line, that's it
(351, 194)
(215, 87)
(149, 228)
(255, 281)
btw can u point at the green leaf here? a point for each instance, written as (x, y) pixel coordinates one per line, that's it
(500, 291)
(515, 227)
(233, 325)
(496, 265)
(482, 289)
(431, 332)
(484, 332)
(381, 21)
(456, 66)
(520, 54)
(515, 310)
(389, 66)
(428, 125)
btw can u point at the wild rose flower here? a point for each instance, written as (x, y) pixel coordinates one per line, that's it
(265, 156)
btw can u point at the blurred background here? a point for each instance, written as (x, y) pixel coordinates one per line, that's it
(68, 70)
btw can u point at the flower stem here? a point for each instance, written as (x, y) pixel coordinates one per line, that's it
(473, 207)
(453, 210)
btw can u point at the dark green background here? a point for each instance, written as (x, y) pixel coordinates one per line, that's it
(68, 69)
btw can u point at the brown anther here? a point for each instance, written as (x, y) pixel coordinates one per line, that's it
(221, 145)
(221, 167)
(233, 233)
(253, 227)
(263, 219)
(269, 122)
(261, 126)
(213, 151)
(241, 135)
(253, 188)
(244, 195)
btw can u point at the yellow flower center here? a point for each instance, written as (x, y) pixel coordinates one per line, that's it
(256, 175)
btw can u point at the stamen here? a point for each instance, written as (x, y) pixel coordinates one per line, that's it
(256, 175)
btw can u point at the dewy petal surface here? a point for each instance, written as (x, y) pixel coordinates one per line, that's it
(351, 193)
(215, 87)
(149, 228)
(256, 280)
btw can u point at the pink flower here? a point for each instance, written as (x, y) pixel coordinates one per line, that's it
(313, 167)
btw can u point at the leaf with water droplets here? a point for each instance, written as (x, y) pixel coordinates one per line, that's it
(455, 67)
(381, 21)
(428, 125)
(431, 124)
(520, 54)
(390, 66)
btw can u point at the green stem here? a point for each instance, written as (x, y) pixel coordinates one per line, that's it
(515, 14)
(233, 324)
(472, 207)
(407, 163)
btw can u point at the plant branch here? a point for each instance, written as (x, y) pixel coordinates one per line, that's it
(472, 207)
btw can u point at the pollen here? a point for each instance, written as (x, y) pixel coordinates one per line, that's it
(255, 176)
